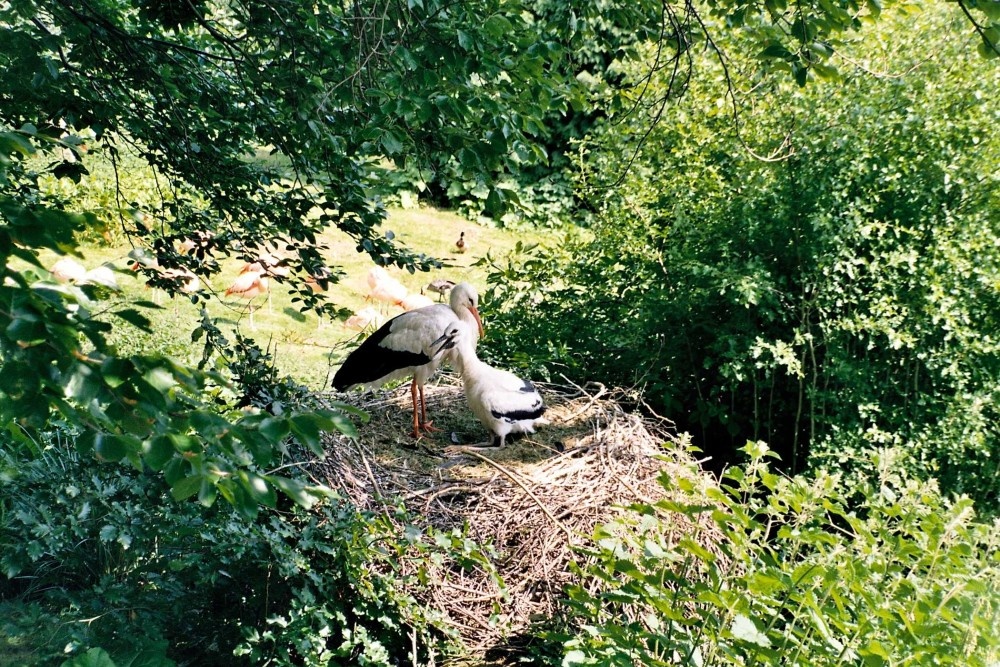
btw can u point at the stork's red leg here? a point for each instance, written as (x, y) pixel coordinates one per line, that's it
(424, 424)
(413, 395)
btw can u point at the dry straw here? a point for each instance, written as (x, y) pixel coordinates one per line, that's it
(532, 501)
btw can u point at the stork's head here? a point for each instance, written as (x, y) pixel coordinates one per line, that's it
(459, 336)
(465, 298)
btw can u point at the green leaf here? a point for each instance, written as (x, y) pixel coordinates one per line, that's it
(186, 487)
(207, 493)
(26, 332)
(801, 73)
(776, 50)
(83, 384)
(71, 170)
(185, 443)
(343, 424)
(391, 144)
(111, 447)
(116, 371)
(11, 143)
(465, 41)
(158, 451)
(275, 429)
(498, 26)
(302, 494)
(95, 657)
(745, 629)
(259, 488)
(990, 9)
(160, 378)
(989, 47)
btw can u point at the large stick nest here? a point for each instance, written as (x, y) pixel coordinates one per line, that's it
(533, 501)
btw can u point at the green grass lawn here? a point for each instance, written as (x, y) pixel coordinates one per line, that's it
(303, 347)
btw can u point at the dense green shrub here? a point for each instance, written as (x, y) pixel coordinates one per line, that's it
(105, 558)
(905, 577)
(837, 300)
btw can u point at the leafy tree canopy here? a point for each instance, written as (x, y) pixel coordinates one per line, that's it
(200, 90)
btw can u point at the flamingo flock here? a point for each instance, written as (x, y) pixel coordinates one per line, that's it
(185, 279)
(384, 288)
(68, 270)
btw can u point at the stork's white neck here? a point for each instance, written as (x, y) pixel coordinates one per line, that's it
(464, 355)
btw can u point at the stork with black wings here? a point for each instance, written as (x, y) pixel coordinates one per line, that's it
(405, 346)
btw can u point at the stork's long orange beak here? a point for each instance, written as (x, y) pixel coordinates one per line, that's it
(479, 321)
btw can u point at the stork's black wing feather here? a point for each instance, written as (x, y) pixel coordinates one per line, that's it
(534, 412)
(371, 361)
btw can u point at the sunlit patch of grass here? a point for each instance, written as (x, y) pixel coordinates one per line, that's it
(304, 347)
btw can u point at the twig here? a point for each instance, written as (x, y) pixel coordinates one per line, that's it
(593, 399)
(512, 477)
(371, 475)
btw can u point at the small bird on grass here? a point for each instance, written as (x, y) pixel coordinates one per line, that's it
(440, 286)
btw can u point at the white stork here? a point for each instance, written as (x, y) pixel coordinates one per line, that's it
(403, 346)
(502, 401)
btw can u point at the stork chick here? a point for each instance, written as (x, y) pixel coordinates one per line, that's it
(503, 402)
(406, 345)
